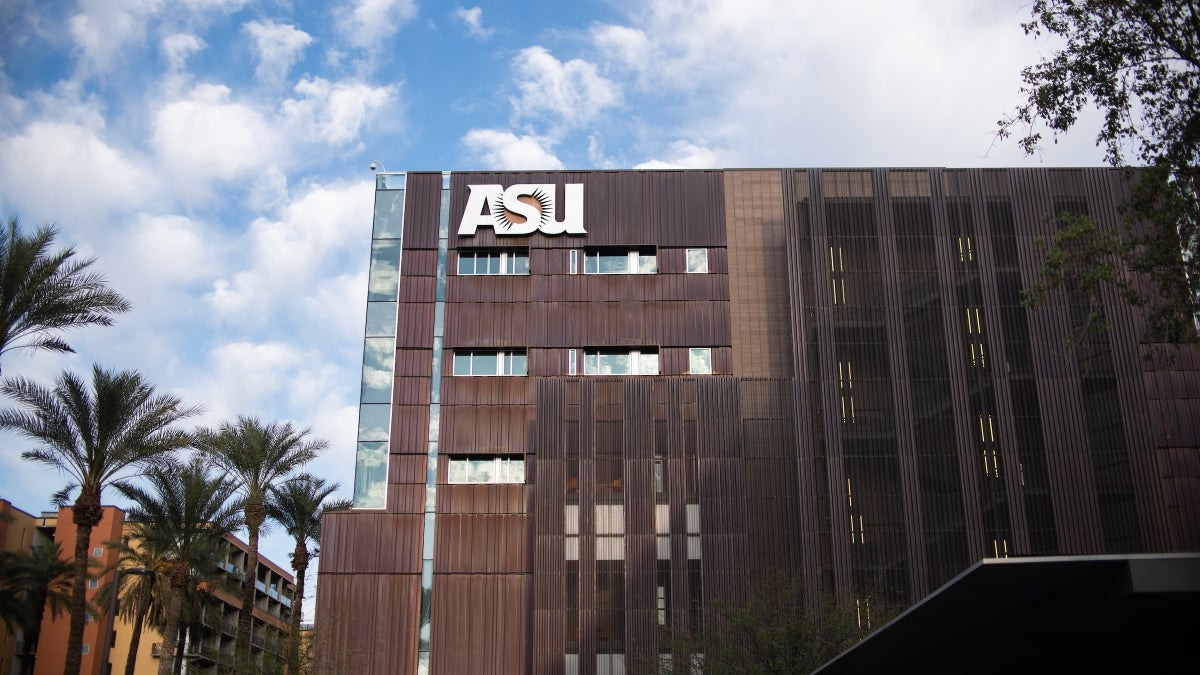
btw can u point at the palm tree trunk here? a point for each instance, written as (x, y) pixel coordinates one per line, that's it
(181, 649)
(170, 630)
(300, 564)
(34, 633)
(86, 513)
(135, 640)
(255, 515)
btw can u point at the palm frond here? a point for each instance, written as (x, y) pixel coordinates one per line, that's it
(44, 293)
(63, 497)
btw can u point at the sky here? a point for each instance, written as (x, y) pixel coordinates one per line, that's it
(213, 154)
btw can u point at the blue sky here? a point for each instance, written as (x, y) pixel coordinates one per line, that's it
(213, 154)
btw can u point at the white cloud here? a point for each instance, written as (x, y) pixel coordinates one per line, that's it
(159, 252)
(208, 138)
(277, 47)
(364, 23)
(47, 160)
(684, 155)
(473, 19)
(102, 27)
(852, 83)
(225, 6)
(504, 150)
(287, 260)
(335, 112)
(571, 93)
(179, 47)
(248, 378)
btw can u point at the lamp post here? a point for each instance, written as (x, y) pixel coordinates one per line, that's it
(111, 639)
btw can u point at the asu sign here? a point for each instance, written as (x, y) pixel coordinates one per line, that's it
(523, 210)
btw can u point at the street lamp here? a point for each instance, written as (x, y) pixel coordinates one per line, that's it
(112, 611)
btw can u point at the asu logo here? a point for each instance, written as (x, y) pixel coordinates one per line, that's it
(522, 210)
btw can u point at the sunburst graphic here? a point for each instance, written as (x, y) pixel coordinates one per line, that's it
(500, 213)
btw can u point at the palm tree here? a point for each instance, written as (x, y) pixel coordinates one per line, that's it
(257, 456)
(141, 595)
(31, 581)
(185, 514)
(43, 293)
(95, 435)
(297, 506)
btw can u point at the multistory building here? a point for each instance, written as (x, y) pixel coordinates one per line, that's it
(208, 646)
(19, 533)
(596, 403)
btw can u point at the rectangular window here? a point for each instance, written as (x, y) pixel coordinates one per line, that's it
(487, 469)
(482, 364)
(620, 261)
(572, 359)
(93, 583)
(574, 261)
(494, 261)
(85, 648)
(700, 361)
(97, 552)
(697, 261)
(642, 361)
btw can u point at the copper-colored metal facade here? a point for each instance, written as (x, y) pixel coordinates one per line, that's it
(883, 412)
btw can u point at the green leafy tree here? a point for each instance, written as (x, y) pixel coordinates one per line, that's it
(185, 514)
(258, 457)
(30, 582)
(297, 505)
(95, 434)
(770, 630)
(1138, 62)
(44, 292)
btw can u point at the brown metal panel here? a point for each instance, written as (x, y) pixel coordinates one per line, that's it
(487, 499)
(422, 204)
(418, 263)
(411, 391)
(406, 469)
(399, 548)
(359, 630)
(414, 325)
(759, 326)
(487, 288)
(468, 430)
(417, 288)
(406, 497)
(489, 390)
(479, 624)
(372, 543)
(410, 429)
(414, 362)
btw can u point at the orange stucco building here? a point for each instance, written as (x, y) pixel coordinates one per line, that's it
(52, 647)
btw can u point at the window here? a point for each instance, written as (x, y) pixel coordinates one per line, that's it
(478, 364)
(837, 269)
(620, 362)
(619, 261)
(97, 552)
(93, 583)
(504, 261)
(88, 616)
(697, 261)
(700, 361)
(487, 469)
(572, 359)
(85, 648)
